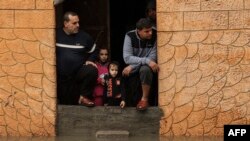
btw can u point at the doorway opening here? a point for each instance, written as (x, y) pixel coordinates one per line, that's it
(107, 21)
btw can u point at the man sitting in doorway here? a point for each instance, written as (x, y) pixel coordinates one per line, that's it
(76, 70)
(139, 53)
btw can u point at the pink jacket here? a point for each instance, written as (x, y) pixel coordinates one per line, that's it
(99, 88)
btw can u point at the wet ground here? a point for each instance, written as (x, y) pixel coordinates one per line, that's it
(79, 138)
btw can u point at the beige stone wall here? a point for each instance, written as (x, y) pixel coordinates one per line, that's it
(203, 52)
(204, 56)
(27, 68)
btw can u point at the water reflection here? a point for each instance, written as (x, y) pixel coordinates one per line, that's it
(82, 138)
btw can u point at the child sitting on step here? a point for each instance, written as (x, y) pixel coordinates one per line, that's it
(102, 66)
(114, 93)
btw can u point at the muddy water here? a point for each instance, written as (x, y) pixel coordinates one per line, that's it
(80, 138)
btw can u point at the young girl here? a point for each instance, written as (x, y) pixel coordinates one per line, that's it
(102, 66)
(114, 94)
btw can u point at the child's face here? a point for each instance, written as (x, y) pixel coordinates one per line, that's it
(103, 55)
(113, 70)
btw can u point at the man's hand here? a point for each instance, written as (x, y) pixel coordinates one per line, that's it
(154, 66)
(91, 63)
(126, 71)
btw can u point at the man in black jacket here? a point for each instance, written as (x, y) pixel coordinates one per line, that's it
(76, 70)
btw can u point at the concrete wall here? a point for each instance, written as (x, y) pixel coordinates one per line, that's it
(204, 54)
(203, 51)
(27, 68)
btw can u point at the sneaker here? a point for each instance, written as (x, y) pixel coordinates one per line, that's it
(142, 105)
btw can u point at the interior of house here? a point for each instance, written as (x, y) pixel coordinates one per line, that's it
(107, 21)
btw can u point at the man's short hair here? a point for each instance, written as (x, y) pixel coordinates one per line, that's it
(143, 23)
(66, 15)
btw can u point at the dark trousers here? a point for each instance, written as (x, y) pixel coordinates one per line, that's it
(69, 88)
(133, 89)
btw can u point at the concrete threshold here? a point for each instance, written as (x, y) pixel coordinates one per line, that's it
(107, 121)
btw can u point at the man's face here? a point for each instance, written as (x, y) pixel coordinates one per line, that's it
(113, 70)
(145, 33)
(72, 26)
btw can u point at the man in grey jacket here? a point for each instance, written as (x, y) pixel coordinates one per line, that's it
(139, 53)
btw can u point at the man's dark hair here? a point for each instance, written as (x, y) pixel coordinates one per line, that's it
(143, 23)
(66, 15)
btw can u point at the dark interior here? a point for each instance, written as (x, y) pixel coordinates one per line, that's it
(123, 16)
(106, 21)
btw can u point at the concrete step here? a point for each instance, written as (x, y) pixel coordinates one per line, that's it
(107, 121)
